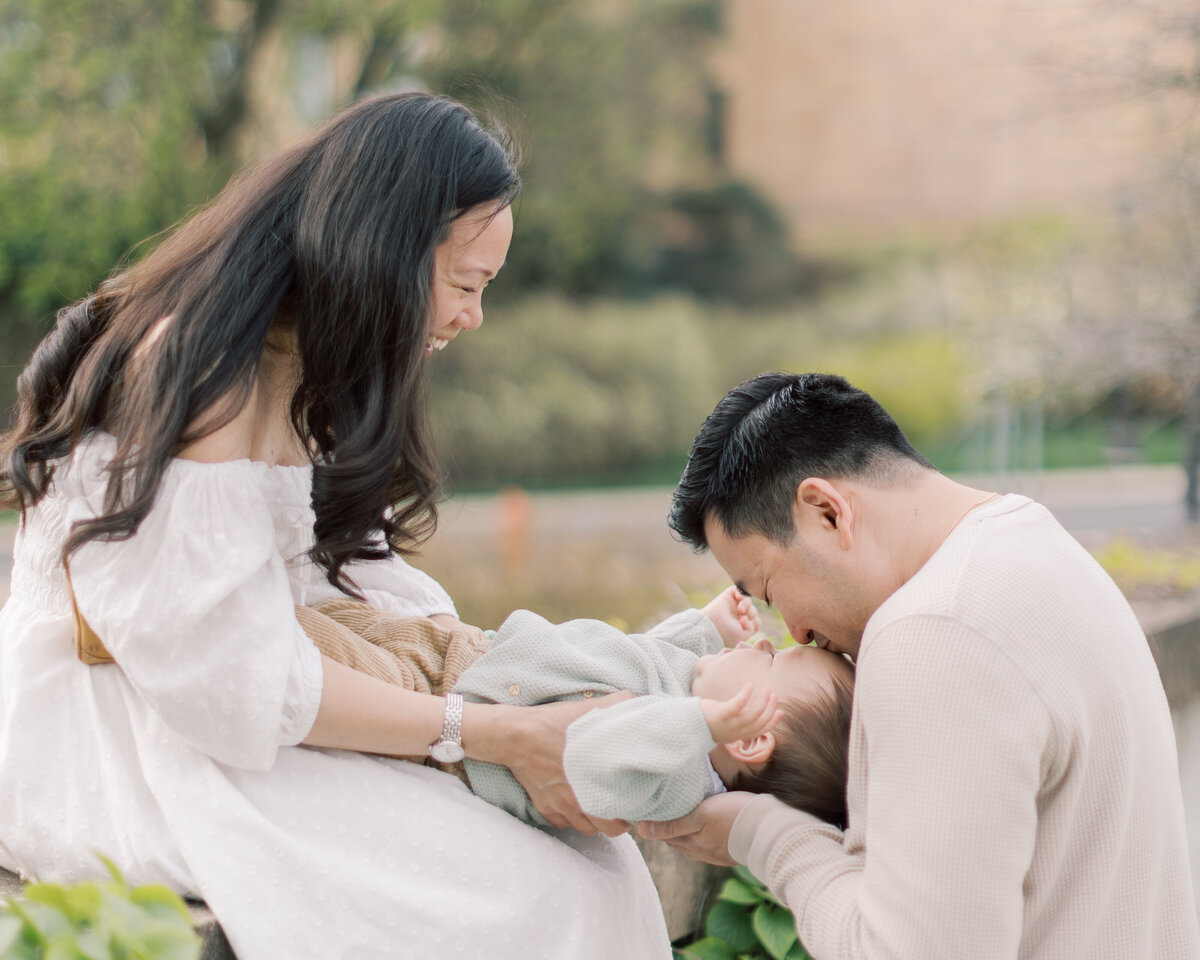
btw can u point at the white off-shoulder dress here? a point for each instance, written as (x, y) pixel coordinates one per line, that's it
(180, 761)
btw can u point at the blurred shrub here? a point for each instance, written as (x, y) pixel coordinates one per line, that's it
(552, 392)
(920, 378)
(747, 922)
(97, 921)
(557, 391)
(725, 243)
(1150, 574)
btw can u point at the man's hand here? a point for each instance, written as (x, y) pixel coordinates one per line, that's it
(536, 762)
(702, 834)
(751, 713)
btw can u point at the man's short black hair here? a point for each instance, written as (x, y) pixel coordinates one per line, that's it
(771, 433)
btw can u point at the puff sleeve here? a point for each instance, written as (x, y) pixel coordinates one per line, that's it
(197, 611)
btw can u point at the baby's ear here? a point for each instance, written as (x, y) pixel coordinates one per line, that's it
(756, 750)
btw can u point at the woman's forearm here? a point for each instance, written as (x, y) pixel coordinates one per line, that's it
(359, 712)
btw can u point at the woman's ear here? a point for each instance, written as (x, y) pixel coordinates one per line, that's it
(833, 510)
(756, 750)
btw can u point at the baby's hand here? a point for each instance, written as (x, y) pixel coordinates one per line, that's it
(734, 616)
(753, 711)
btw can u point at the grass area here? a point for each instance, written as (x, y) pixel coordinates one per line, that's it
(1081, 443)
(1151, 573)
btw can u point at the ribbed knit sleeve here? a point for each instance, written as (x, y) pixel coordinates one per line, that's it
(643, 759)
(952, 745)
(1013, 787)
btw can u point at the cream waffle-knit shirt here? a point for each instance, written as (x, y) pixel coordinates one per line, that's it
(1014, 787)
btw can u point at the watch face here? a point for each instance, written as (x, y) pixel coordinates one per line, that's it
(447, 751)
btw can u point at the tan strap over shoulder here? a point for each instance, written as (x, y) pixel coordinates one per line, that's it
(88, 646)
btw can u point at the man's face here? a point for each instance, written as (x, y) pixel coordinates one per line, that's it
(810, 581)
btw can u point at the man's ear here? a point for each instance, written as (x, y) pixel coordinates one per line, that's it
(833, 509)
(755, 750)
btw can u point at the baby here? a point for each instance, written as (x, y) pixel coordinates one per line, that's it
(712, 711)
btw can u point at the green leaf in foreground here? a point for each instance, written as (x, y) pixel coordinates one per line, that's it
(731, 923)
(97, 921)
(10, 933)
(751, 881)
(798, 952)
(735, 891)
(710, 948)
(160, 901)
(775, 929)
(79, 903)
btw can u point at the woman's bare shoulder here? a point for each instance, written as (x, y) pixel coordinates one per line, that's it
(224, 443)
(261, 431)
(232, 440)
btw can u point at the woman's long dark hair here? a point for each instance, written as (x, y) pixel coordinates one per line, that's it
(332, 241)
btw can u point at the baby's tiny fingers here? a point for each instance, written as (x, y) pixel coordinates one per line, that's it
(741, 700)
(766, 708)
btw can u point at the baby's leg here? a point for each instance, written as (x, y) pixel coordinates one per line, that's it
(341, 643)
(410, 652)
(429, 657)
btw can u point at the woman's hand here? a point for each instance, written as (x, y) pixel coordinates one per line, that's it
(530, 742)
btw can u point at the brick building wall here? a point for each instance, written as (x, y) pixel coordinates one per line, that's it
(874, 117)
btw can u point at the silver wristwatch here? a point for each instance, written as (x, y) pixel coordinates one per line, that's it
(449, 748)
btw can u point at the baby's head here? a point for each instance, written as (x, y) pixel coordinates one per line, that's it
(804, 760)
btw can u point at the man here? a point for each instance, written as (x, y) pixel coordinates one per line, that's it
(1014, 787)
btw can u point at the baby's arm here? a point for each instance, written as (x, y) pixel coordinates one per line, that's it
(751, 713)
(734, 616)
(643, 759)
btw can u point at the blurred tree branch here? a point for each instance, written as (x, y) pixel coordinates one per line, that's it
(223, 117)
(116, 119)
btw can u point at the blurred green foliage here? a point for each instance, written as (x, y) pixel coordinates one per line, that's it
(552, 390)
(97, 142)
(1151, 573)
(747, 922)
(920, 378)
(557, 392)
(644, 280)
(97, 921)
(117, 119)
(615, 103)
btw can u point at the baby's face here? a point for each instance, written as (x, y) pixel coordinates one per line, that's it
(792, 672)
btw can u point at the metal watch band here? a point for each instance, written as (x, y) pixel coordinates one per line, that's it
(452, 725)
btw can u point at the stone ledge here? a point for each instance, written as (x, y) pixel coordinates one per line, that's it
(685, 888)
(1173, 631)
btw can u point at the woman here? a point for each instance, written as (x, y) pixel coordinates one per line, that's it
(234, 425)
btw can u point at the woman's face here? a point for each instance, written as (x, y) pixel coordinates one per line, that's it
(463, 265)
